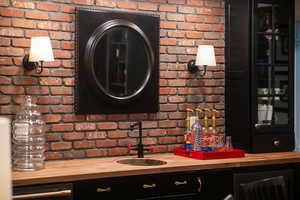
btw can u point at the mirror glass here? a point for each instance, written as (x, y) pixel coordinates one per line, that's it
(121, 61)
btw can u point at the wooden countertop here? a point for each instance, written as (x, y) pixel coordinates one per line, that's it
(80, 169)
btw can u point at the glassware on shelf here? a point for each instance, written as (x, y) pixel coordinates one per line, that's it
(28, 138)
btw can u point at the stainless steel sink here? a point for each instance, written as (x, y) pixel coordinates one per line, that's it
(142, 162)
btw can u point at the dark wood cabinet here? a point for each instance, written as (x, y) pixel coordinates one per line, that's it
(259, 74)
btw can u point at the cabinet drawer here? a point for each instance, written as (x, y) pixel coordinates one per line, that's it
(272, 143)
(100, 189)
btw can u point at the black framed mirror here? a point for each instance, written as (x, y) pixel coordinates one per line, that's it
(117, 62)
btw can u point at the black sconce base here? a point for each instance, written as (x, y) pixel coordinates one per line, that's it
(192, 68)
(29, 65)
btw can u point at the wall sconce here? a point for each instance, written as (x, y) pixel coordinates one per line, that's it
(40, 51)
(205, 57)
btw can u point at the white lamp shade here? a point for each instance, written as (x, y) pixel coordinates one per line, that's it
(205, 56)
(40, 49)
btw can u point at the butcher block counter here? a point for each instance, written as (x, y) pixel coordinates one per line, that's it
(82, 169)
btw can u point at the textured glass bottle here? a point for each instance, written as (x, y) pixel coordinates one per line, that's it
(28, 138)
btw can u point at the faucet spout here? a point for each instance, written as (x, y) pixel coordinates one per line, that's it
(140, 146)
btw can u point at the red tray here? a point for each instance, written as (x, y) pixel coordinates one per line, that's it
(234, 153)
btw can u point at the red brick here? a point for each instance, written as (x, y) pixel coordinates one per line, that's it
(69, 9)
(21, 42)
(62, 109)
(203, 27)
(177, 115)
(168, 74)
(5, 61)
(4, 3)
(94, 118)
(25, 80)
(117, 151)
(157, 132)
(167, 8)
(106, 143)
(61, 145)
(128, 5)
(12, 32)
(107, 126)
(37, 90)
(196, 19)
(9, 110)
(147, 6)
(48, 25)
(169, 42)
(175, 17)
(176, 83)
(9, 12)
(168, 58)
(185, 9)
(68, 27)
(186, 26)
(186, 43)
(194, 35)
(62, 54)
(85, 126)
(177, 1)
(62, 72)
(61, 90)
(68, 45)
(176, 99)
(36, 15)
(73, 118)
(215, 4)
(53, 155)
(52, 137)
(68, 100)
(60, 36)
(106, 3)
(68, 63)
(50, 81)
(23, 4)
(169, 91)
(84, 144)
(168, 25)
(195, 2)
(176, 34)
(212, 20)
(167, 140)
(96, 152)
(51, 118)
(63, 127)
(10, 71)
(213, 35)
(95, 135)
(5, 80)
(117, 134)
(11, 51)
(12, 89)
(35, 33)
(48, 6)
(168, 107)
(5, 22)
(84, 2)
(61, 17)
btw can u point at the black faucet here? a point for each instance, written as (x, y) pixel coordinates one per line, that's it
(140, 147)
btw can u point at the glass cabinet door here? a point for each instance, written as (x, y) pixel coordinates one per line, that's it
(272, 64)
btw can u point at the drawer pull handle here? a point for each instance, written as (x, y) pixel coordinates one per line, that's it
(62, 193)
(200, 184)
(257, 126)
(180, 183)
(108, 189)
(276, 143)
(149, 186)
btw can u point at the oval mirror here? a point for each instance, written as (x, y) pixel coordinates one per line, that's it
(120, 60)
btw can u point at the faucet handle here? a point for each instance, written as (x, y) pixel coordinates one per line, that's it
(149, 148)
(128, 148)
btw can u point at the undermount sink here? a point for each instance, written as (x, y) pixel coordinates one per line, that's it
(142, 162)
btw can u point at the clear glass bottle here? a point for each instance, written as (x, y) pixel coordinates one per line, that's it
(28, 138)
(196, 132)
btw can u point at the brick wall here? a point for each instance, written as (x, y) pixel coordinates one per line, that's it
(184, 25)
